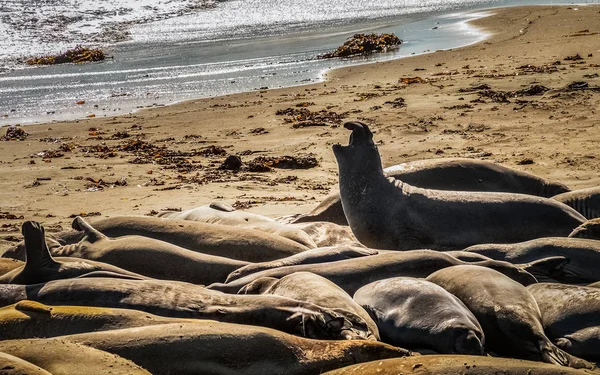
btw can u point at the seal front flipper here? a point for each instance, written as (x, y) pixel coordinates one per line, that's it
(36, 249)
(91, 233)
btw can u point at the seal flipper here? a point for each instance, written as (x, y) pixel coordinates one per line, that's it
(552, 354)
(91, 234)
(220, 206)
(548, 268)
(36, 249)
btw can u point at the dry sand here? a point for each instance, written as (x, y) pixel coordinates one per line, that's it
(554, 135)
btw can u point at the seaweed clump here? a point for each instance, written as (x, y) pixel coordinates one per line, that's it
(76, 55)
(365, 44)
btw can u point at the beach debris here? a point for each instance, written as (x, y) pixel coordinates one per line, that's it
(525, 161)
(287, 162)
(14, 133)
(364, 44)
(212, 151)
(305, 104)
(85, 214)
(412, 80)
(49, 154)
(9, 216)
(397, 103)
(303, 117)
(76, 55)
(581, 86)
(258, 131)
(575, 57)
(232, 163)
(100, 184)
(546, 68)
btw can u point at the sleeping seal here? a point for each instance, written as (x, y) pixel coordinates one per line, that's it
(320, 255)
(416, 314)
(236, 243)
(585, 201)
(456, 364)
(306, 286)
(63, 357)
(351, 274)
(386, 213)
(571, 317)
(224, 214)
(30, 319)
(583, 255)
(148, 257)
(41, 267)
(183, 300)
(507, 312)
(459, 174)
(222, 348)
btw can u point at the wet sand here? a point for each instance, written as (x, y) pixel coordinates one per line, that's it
(98, 167)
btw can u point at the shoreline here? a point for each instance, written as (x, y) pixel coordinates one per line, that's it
(553, 135)
(314, 69)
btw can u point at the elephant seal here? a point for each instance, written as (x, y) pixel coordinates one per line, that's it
(590, 230)
(457, 174)
(320, 255)
(41, 267)
(585, 201)
(183, 300)
(213, 239)
(351, 274)
(583, 255)
(8, 264)
(507, 312)
(456, 364)
(221, 348)
(306, 286)
(416, 314)
(30, 319)
(224, 214)
(62, 357)
(571, 317)
(385, 213)
(11, 365)
(149, 257)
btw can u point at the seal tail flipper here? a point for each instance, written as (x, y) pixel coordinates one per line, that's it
(36, 250)
(590, 230)
(552, 354)
(221, 206)
(91, 233)
(547, 269)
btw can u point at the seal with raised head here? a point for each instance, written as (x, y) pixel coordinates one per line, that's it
(583, 256)
(456, 364)
(571, 317)
(458, 174)
(320, 255)
(40, 266)
(352, 274)
(507, 312)
(221, 348)
(585, 201)
(148, 257)
(183, 300)
(306, 286)
(386, 213)
(416, 314)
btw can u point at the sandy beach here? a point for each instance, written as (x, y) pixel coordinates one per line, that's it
(527, 97)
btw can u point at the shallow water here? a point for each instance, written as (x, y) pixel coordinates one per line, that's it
(236, 46)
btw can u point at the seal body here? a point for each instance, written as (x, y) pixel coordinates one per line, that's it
(459, 174)
(351, 274)
(221, 348)
(386, 213)
(183, 300)
(585, 201)
(583, 255)
(571, 317)
(243, 244)
(414, 313)
(306, 286)
(507, 312)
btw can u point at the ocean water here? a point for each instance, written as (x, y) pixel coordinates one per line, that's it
(165, 51)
